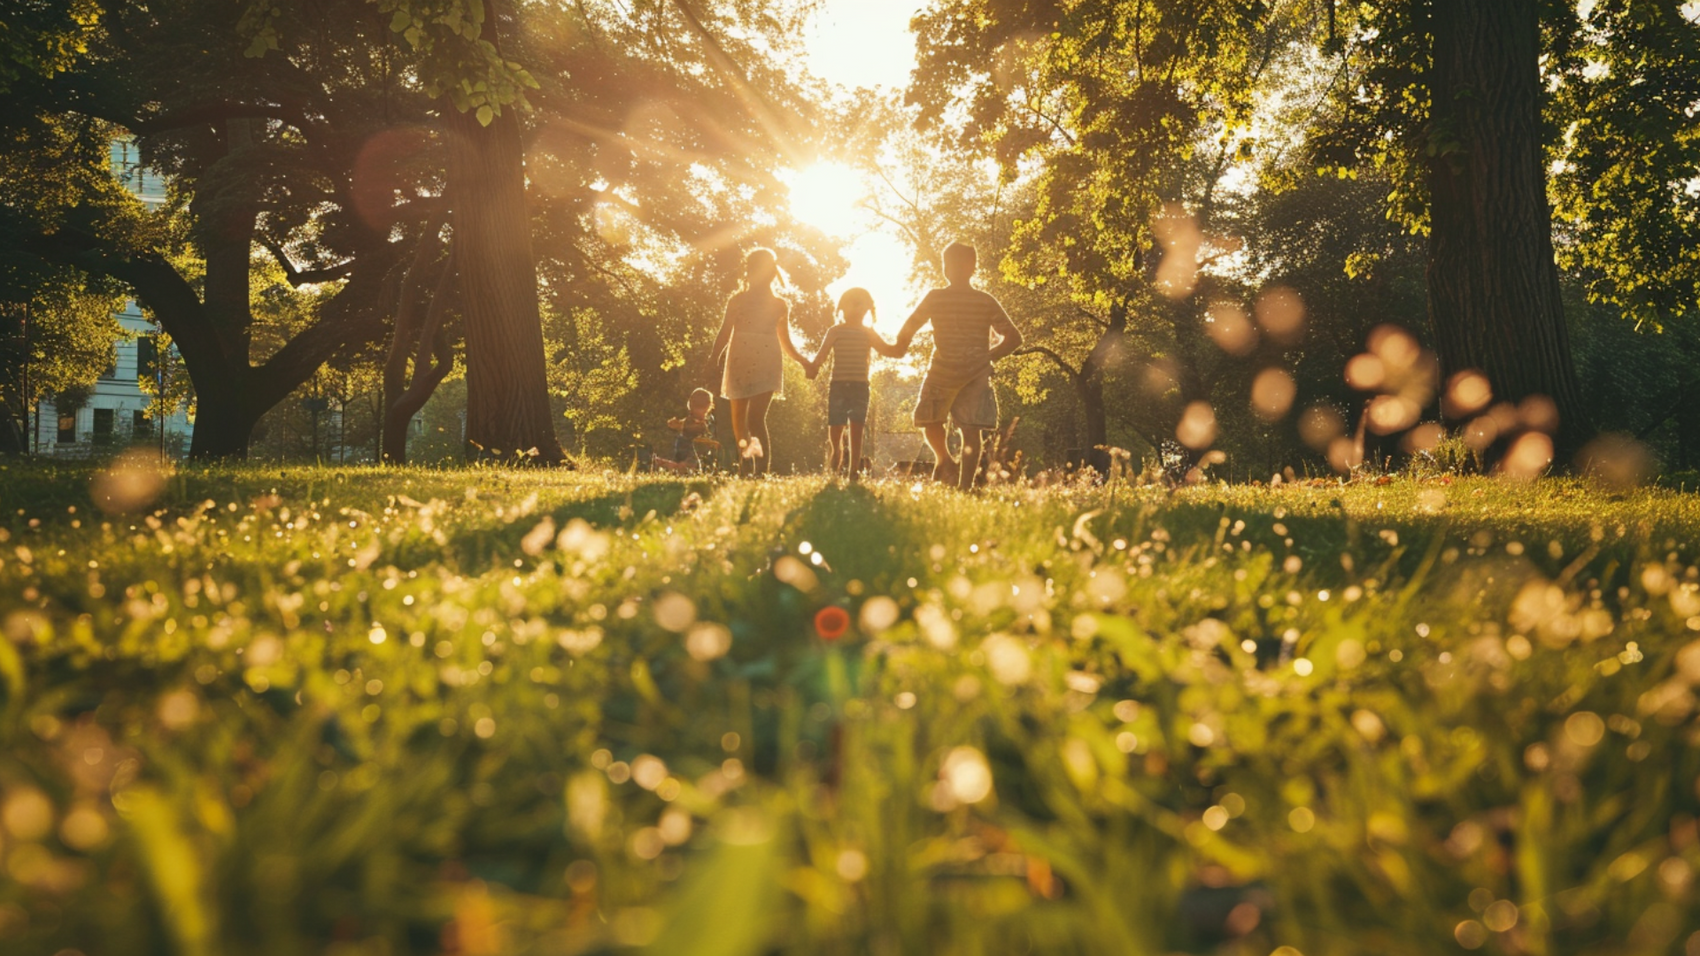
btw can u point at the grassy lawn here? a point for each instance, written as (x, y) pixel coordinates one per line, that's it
(346, 711)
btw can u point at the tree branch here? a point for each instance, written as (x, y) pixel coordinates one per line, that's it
(159, 286)
(344, 321)
(300, 277)
(206, 113)
(1070, 370)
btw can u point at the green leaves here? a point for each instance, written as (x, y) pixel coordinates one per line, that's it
(455, 59)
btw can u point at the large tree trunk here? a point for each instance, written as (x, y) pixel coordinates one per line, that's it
(507, 389)
(12, 440)
(224, 424)
(225, 224)
(1493, 285)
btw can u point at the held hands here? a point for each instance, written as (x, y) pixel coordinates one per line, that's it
(811, 367)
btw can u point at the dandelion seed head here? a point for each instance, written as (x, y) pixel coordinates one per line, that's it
(967, 775)
(706, 641)
(674, 611)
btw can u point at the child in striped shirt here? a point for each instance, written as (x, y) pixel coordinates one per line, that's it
(849, 343)
(958, 386)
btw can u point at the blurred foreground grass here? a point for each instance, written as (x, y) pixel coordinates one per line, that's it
(489, 712)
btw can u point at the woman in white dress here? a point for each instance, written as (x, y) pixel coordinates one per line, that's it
(754, 339)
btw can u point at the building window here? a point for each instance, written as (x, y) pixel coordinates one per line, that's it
(110, 373)
(139, 425)
(68, 428)
(147, 357)
(103, 419)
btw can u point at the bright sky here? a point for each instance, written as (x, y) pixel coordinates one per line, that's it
(863, 42)
(860, 43)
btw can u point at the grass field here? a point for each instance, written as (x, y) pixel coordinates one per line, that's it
(304, 710)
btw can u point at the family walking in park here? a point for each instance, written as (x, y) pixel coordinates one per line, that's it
(755, 337)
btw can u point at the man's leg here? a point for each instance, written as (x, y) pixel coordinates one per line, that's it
(972, 438)
(938, 439)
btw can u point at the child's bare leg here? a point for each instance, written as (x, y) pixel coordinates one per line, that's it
(756, 426)
(971, 441)
(835, 438)
(741, 431)
(855, 461)
(938, 439)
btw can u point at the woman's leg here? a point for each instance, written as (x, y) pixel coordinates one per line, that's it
(741, 430)
(755, 425)
(835, 441)
(855, 449)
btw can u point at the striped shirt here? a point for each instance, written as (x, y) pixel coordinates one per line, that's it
(849, 345)
(963, 320)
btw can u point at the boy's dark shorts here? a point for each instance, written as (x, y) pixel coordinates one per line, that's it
(972, 405)
(847, 403)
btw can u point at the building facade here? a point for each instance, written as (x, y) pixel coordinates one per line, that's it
(116, 411)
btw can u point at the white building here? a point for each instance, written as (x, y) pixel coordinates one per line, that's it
(115, 413)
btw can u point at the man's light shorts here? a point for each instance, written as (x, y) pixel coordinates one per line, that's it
(972, 405)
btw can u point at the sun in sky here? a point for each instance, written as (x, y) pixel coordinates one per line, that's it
(858, 43)
(829, 196)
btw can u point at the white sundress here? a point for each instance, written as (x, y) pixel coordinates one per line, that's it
(754, 360)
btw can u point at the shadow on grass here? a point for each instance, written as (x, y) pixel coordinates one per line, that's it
(480, 546)
(862, 538)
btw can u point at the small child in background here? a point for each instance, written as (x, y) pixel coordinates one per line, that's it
(695, 428)
(849, 343)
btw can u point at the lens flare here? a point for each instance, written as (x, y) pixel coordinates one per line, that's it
(1528, 457)
(1467, 393)
(1392, 413)
(133, 481)
(1281, 313)
(1227, 324)
(1539, 412)
(1424, 438)
(1618, 461)
(1197, 428)
(1272, 394)
(1366, 372)
(1320, 425)
(1177, 232)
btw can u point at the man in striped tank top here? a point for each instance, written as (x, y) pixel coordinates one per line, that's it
(958, 386)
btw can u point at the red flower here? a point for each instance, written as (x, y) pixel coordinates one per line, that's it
(831, 622)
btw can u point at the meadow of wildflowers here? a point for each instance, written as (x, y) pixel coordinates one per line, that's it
(344, 711)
